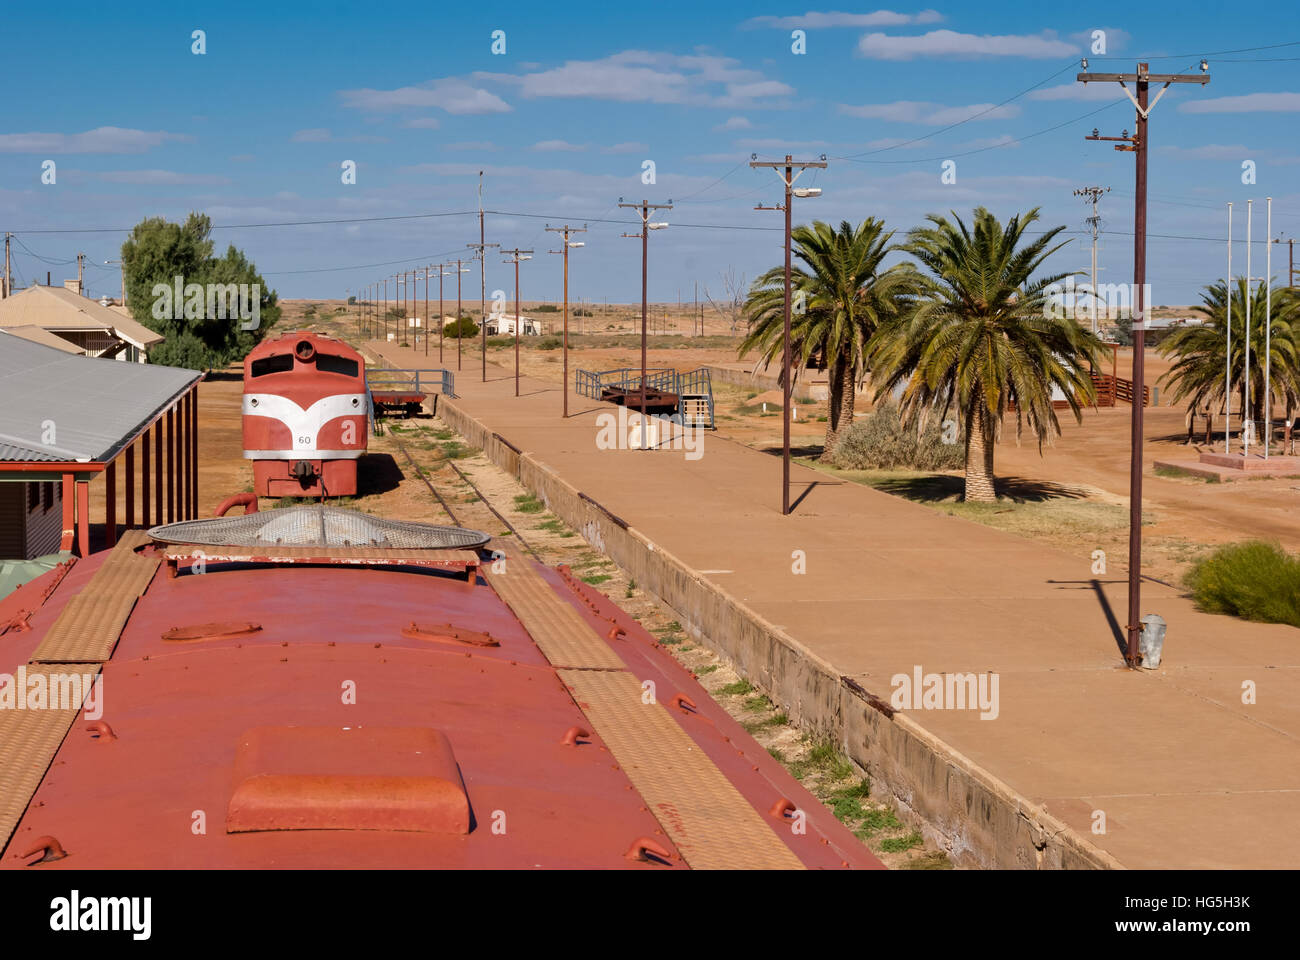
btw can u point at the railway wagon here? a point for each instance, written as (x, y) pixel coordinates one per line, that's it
(304, 416)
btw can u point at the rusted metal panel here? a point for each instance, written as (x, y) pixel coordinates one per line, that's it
(347, 778)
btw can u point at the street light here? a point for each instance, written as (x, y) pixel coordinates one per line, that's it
(790, 193)
(643, 211)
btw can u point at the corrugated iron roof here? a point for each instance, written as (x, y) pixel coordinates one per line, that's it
(86, 407)
(54, 308)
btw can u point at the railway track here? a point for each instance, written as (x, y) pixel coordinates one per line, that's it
(425, 476)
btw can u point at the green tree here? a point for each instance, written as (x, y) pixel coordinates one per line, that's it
(464, 327)
(157, 252)
(1197, 374)
(984, 337)
(839, 296)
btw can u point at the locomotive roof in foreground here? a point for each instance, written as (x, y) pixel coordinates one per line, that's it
(362, 717)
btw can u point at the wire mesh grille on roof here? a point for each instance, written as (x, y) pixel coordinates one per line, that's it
(318, 526)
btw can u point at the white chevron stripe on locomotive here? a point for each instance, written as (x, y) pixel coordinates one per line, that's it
(304, 425)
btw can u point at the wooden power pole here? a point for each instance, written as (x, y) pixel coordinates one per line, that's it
(564, 249)
(1139, 145)
(788, 179)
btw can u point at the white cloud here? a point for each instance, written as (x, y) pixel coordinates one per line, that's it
(558, 146)
(814, 20)
(1079, 91)
(949, 43)
(99, 140)
(931, 114)
(422, 123)
(450, 94)
(1247, 103)
(629, 146)
(323, 135)
(776, 144)
(1213, 151)
(734, 123)
(1116, 39)
(642, 76)
(162, 178)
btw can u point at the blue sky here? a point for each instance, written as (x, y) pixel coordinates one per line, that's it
(255, 130)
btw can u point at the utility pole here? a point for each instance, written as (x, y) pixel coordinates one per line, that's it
(788, 179)
(81, 260)
(644, 209)
(1139, 145)
(564, 249)
(442, 329)
(1268, 326)
(1247, 424)
(9, 280)
(426, 309)
(460, 330)
(480, 253)
(1227, 351)
(517, 255)
(385, 310)
(1092, 194)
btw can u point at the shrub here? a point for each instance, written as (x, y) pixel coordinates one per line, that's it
(1253, 580)
(464, 327)
(881, 441)
(550, 343)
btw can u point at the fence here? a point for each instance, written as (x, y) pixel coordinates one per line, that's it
(694, 389)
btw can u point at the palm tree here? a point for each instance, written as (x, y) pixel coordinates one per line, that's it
(984, 337)
(837, 303)
(1198, 372)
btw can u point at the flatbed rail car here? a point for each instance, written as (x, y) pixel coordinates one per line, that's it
(305, 408)
(405, 390)
(353, 705)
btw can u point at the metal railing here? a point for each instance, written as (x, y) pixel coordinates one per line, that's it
(695, 384)
(417, 381)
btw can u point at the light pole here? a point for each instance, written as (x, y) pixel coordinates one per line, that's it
(1227, 359)
(516, 256)
(460, 330)
(564, 248)
(122, 267)
(643, 211)
(1138, 145)
(1268, 324)
(788, 178)
(480, 250)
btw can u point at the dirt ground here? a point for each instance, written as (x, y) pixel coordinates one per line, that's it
(1075, 488)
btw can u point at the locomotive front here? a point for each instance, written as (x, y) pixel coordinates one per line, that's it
(304, 416)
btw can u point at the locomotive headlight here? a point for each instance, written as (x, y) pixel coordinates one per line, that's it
(355, 402)
(253, 402)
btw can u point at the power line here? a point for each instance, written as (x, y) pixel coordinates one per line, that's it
(974, 116)
(279, 223)
(1204, 53)
(994, 146)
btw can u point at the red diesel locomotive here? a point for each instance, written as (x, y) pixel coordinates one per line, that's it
(304, 416)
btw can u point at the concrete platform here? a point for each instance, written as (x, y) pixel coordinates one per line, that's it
(1186, 773)
(1225, 467)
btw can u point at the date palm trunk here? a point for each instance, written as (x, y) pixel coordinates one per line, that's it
(840, 402)
(979, 453)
